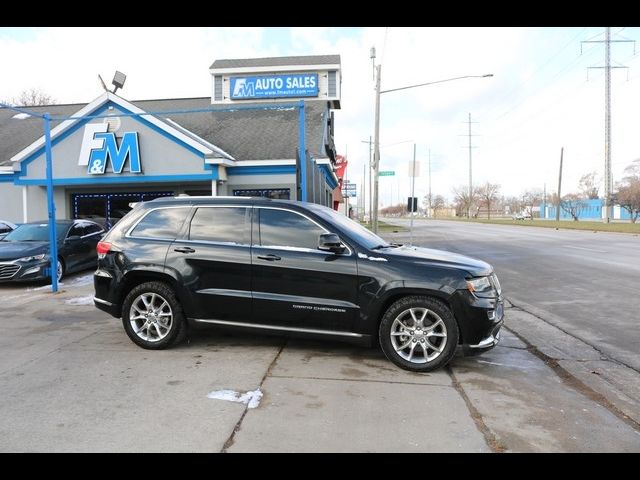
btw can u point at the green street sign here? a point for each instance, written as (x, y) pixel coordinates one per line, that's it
(387, 173)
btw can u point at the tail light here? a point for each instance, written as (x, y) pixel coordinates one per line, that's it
(103, 248)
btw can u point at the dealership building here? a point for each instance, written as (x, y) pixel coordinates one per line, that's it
(244, 140)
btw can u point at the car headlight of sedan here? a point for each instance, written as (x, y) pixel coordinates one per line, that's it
(33, 258)
(482, 287)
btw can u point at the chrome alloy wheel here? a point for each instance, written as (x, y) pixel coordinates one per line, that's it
(418, 327)
(59, 270)
(151, 317)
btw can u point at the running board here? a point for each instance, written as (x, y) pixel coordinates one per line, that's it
(279, 328)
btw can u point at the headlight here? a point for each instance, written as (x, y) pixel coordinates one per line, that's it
(481, 287)
(42, 256)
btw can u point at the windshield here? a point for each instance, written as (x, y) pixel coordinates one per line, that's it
(34, 232)
(360, 234)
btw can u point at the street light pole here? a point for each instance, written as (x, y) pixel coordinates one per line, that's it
(376, 149)
(376, 152)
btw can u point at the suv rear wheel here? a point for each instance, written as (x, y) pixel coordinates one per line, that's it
(418, 333)
(152, 316)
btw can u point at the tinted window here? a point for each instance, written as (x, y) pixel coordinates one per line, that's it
(220, 224)
(162, 223)
(92, 228)
(283, 228)
(356, 231)
(76, 230)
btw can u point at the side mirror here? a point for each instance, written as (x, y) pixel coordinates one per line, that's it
(330, 242)
(73, 238)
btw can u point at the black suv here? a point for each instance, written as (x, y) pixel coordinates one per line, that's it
(295, 268)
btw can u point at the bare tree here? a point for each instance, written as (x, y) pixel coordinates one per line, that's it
(488, 194)
(573, 204)
(628, 193)
(462, 201)
(438, 203)
(588, 185)
(31, 97)
(530, 199)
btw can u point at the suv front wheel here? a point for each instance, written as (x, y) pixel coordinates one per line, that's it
(419, 333)
(152, 316)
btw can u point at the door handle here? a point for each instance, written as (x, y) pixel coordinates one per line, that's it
(271, 257)
(184, 250)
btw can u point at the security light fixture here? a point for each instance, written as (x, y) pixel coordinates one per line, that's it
(118, 80)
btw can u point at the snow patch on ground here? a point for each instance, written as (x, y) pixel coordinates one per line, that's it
(251, 398)
(88, 300)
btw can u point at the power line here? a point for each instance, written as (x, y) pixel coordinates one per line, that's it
(519, 86)
(608, 180)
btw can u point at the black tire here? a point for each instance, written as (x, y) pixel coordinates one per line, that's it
(426, 352)
(163, 333)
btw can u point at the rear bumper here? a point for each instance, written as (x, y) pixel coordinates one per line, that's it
(108, 307)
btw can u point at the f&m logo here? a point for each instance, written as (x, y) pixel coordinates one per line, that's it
(243, 89)
(100, 146)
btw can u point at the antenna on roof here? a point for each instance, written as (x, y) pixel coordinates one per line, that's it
(103, 85)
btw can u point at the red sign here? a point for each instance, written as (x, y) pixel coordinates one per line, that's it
(341, 166)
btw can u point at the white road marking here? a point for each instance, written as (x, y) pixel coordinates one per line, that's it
(585, 248)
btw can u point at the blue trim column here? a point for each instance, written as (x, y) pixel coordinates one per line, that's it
(53, 241)
(303, 152)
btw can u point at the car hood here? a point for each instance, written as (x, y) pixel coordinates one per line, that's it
(476, 268)
(14, 250)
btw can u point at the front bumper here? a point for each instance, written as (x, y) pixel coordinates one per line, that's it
(479, 320)
(24, 272)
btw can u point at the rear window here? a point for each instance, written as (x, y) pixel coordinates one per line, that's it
(163, 223)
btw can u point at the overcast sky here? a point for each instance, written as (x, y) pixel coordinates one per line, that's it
(542, 95)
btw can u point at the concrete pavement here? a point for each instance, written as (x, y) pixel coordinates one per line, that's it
(72, 381)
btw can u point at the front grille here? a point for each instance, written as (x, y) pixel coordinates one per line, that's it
(8, 270)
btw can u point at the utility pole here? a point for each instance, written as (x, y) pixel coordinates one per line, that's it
(608, 179)
(376, 152)
(364, 191)
(413, 185)
(559, 187)
(544, 202)
(370, 142)
(470, 169)
(429, 182)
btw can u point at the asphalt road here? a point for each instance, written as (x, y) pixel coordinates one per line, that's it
(586, 283)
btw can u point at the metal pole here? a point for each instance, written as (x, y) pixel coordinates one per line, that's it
(370, 189)
(429, 182)
(559, 186)
(413, 184)
(607, 128)
(53, 236)
(470, 177)
(364, 191)
(303, 154)
(376, 151)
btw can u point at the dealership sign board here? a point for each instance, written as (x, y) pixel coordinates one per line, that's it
(100, 147)
(275, 86)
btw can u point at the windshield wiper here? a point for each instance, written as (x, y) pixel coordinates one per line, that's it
(378, 247)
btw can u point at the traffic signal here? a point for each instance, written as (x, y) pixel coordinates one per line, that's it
(412, 204)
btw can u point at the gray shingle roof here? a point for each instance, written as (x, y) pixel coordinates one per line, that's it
(276, 61)
(244, 134)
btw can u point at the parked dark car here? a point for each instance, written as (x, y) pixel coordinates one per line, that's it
(24, 252)
(294, 268)
(6, 227)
